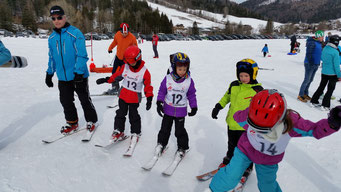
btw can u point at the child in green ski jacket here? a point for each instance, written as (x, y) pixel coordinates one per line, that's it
(239, 96)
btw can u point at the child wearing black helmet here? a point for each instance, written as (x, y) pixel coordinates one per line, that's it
(238, 95)
(175, 90)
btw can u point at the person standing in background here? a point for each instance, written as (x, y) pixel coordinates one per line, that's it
(330, 73)
(311, 63)
(154, 42)
(122, 39)
(293, 42)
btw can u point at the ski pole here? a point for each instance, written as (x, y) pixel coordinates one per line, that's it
(269, 69)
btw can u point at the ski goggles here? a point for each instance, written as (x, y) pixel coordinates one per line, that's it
(245, 65)
(261, 130)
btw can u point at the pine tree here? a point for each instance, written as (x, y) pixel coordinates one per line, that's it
(5, 16)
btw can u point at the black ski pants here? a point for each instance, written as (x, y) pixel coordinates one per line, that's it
(180, 131)
(331, 81)
(134, 117)
(66, 97)
(156, 53)
(233, 138)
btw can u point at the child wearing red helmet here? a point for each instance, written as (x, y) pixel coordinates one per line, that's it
(135, 75)
(269, 126)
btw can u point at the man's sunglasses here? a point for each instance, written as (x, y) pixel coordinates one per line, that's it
(58, 18)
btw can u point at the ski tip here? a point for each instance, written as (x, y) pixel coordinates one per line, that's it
(166, 174)
(85, 140)
(97, 145)
(146, 168)
(45, 142)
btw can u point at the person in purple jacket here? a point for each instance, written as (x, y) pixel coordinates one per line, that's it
(175, 89)
(269, 127)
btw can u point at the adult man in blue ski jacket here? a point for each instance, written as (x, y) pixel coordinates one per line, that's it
(311, 63)
(68, 57)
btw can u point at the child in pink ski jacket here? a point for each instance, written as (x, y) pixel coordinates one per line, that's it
(269, 126)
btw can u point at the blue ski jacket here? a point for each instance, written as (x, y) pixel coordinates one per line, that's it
(314, 51)
(67, 54)
(331, 60)
(5, 55)
(265, 49)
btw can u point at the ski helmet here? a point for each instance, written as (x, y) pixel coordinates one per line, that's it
(132, 54)
(319, 33)
(179, 59)
(124, 27)
(267, 109)
(334, 39)
(248, 66)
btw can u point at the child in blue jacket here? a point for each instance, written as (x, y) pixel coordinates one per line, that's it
(265, 50)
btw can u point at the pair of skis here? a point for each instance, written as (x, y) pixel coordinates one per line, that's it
(170, 169)
(86, 137)
(133, 141)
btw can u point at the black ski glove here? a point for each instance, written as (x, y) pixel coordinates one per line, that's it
(102, 80)
(48, 80)
(149, 103)
(216, 110)
(159, 108)
(193, 111)
(78, 78)
(109, 51)
(334, 118)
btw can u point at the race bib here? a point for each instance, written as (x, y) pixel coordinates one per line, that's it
(264, 146)
(177, 92)
(133, 81)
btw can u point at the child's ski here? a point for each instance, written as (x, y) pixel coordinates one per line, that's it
(111, 143)
(171, 168)
(207, 176)
(111, 106)
(133, 141)
(60, 136)
(88, 135)
(153, 160)
(241, 184)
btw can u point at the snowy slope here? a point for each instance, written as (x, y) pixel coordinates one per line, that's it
(31, 112)
(187, 19)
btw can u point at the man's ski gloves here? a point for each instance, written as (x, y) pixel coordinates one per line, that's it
(48, 80)
(102, 80)
(193, 111)
(159, 108)
(149, 103)
(216, 110)
(334, 118)
(109, 51)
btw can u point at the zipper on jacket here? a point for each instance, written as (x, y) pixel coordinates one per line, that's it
(61, 54)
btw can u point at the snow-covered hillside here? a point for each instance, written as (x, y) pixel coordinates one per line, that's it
(187, 19)
(31, 112)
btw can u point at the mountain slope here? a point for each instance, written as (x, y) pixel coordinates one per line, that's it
(296, 10)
